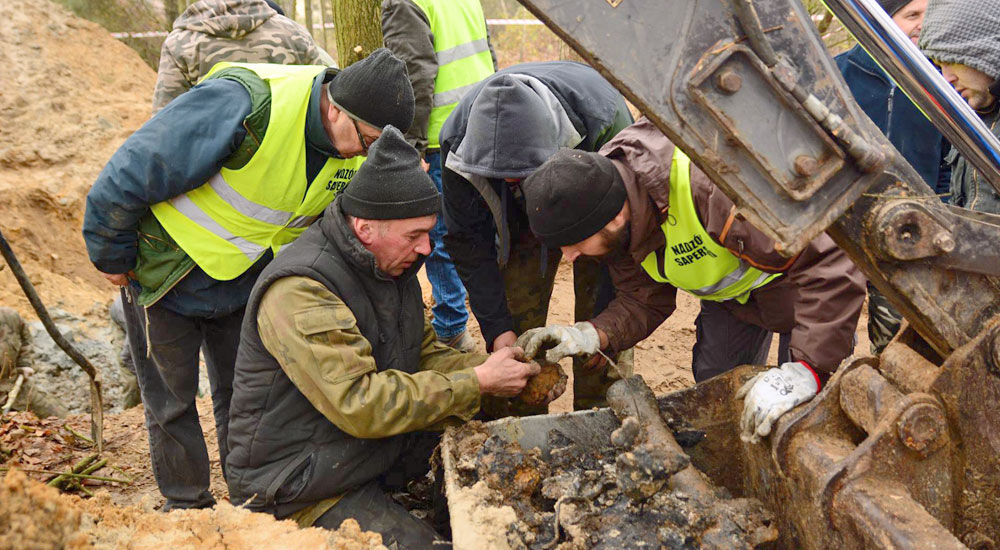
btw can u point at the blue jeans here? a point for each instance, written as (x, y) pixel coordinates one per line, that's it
(450, 314)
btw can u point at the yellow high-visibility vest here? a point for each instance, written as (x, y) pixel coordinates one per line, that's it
(691, 259)
(226, 224)
(463, 55)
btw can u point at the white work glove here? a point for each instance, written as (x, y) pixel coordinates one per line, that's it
(771, 394)
(579, 339)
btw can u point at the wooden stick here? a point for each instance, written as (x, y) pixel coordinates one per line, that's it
(77, 468)
(13, 394)
(95, 466)
(81, 476)
(79, 435)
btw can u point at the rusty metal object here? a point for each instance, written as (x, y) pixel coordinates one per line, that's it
(657, 457)
(728, 82)
(544, 387)
(921, 427)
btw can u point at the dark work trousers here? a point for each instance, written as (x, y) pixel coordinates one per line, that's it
(376, 511)
(724, 342)
(168, 380)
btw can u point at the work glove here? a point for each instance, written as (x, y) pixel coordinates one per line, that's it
(580, 339)
(771, 394)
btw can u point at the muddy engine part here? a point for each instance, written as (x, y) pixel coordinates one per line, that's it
(898, 451)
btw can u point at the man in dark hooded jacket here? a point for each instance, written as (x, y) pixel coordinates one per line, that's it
(500, 132)
(210, 31)
(920, 143)
(961, 37)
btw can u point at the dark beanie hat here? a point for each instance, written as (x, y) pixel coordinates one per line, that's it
(391, 185)
(376, 91)
(892, 6)
(572, 196)
(274, 6)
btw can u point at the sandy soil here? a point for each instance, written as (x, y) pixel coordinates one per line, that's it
(70, 95)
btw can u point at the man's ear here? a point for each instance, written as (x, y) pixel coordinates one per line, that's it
(364, 230)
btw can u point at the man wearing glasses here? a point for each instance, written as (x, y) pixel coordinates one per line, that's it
(195, 203)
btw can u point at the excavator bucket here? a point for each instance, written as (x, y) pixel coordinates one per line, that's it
(895, 452)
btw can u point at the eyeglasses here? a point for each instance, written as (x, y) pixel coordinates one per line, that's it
(365, 144)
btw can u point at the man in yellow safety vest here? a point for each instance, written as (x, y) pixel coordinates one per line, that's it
(194, 205)
(447, 52)
(661, 224)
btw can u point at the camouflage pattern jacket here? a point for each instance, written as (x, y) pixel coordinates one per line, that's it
(15, 340)
(210, 31)
(336, 363)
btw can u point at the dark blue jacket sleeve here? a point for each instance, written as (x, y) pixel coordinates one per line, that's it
(471, 242)
(176, 151)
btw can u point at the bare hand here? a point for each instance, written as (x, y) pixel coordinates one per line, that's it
(504, 374)
(505, 340)
(425, 165)
(118, 279)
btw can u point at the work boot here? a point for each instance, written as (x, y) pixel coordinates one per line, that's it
(460, 342)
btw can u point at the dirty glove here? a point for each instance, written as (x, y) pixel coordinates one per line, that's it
(771, 394)
(579, 339)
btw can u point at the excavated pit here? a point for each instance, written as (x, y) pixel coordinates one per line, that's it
(528, 489)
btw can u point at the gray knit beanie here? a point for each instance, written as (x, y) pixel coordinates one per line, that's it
(965, 32)
(391, 185)
(376, 91)
(892, 6)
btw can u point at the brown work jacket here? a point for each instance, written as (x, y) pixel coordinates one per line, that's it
(817, 300)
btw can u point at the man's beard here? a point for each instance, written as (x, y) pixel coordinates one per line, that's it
(616, 241)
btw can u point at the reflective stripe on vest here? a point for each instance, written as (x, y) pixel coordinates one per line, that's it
(691, 259)
(463, 55)
(228, 223)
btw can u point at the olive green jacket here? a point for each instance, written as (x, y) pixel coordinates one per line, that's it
(336, 372)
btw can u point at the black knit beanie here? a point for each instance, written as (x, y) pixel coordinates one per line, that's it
(391, 185)
(572, 196)
(376, 91)
(892, 6)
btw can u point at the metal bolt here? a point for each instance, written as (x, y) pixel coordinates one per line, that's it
(805, 166)
(944, 242)
(920, 426)
(728, 82)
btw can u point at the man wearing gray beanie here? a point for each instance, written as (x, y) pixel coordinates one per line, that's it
(195, 204)
(963, 38)
(340, 374)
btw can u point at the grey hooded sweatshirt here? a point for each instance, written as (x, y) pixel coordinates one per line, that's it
(968, 32)
(506, 127)
(247, 31)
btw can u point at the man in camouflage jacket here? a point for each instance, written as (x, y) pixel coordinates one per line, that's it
(340, 374)
(15, 359)
(246, 31)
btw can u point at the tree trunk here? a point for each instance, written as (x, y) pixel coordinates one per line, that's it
(322, 24)
(170, 12)
(309, 18)
(358, 24)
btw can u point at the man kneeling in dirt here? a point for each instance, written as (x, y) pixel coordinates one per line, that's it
(339, 371)
(15, 360)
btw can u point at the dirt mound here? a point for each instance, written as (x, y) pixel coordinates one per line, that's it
(71, 95)
(37, 516)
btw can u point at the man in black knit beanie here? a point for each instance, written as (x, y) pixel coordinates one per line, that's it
(340, 377)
